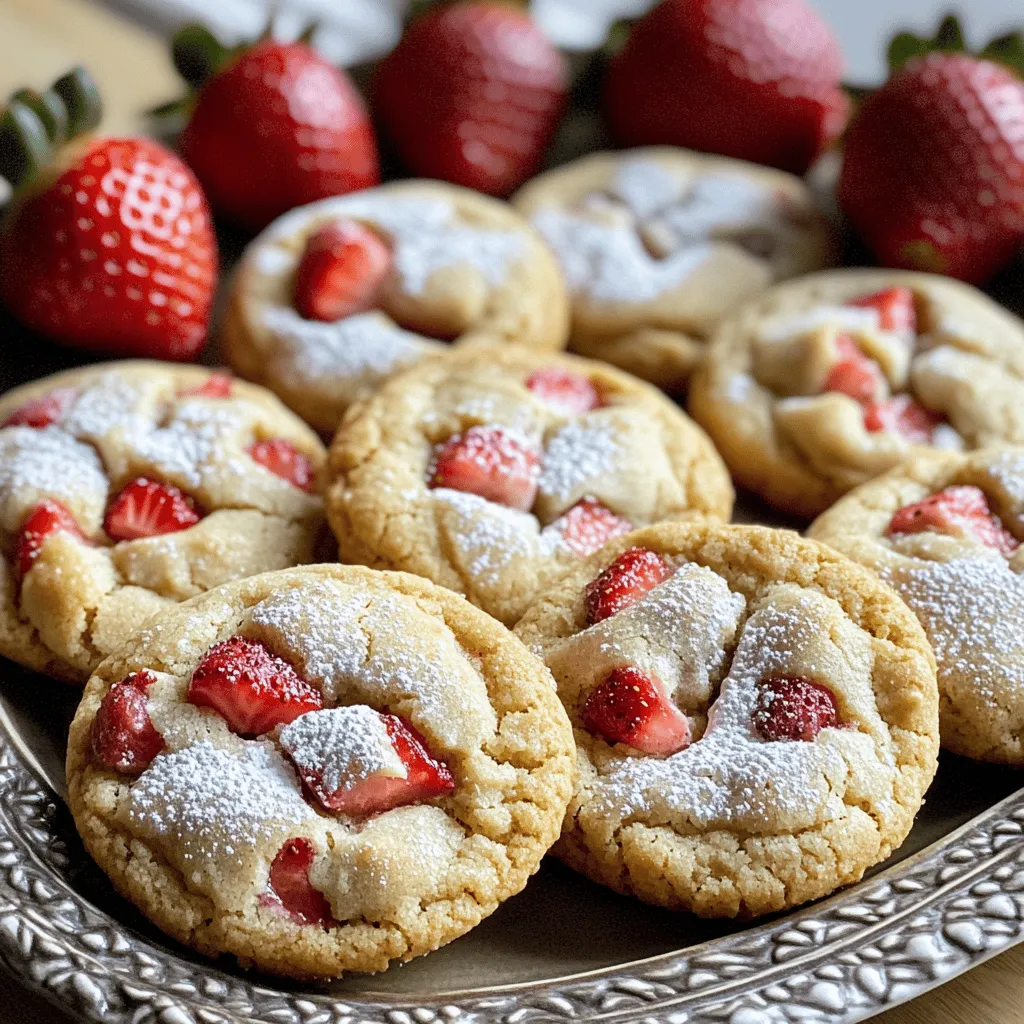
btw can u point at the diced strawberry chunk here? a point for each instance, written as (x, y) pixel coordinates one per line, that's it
(956, 510)
(48, 517)
(123, 737)
(629, 707)
(625, 581)
(283, 459)
(217, 385)
(491, 462)
(147, 508)
(341, 271)
(570, 393)
(289, 888)
(589, 525)
(793, 708)
(904, 416)
(895, 308)
(41, 411)
(854, 373)
(251, 689)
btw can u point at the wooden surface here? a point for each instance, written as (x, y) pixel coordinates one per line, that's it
(39, 40)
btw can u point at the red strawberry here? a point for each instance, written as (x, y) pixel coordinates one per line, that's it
(341, 271)
(249, 687)
(902, 415)
(274, 127)
(472, 94)
(628, 707)
(491, 462)
(283, 459)
(146, 508)
(625, 581)
(289, 888)
(589, 525)
(43, 410)
(123, 736)
(793, 708)
(568, 392)
(217, 385)
(955, 510)
(933, 171)
(895, 307)
(754, 79)
(46, 518)
(110, 247)
(855, 374)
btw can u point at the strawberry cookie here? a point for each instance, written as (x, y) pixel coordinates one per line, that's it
(825, 382)
(320, 770)
(657, 245)
(945, 530)
(127, 487)
(755, 716)
(335, 296)
(492, 472)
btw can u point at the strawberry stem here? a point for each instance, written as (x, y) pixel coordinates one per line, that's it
(24, 146)
(78, 92)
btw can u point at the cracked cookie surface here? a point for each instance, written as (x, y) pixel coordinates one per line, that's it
(756, 721)
(658, 244)
(493, 472)
(408, 766)
(463, 268)
(127, 487)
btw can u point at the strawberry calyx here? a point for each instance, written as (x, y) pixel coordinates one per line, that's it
(1007, 49)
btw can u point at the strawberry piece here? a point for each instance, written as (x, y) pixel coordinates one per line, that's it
(48, 517)
(41, 411)
(854, 374)
(123, 737)
(895, 307)
(624, 582)
(955, 510)
(146, 508)
(793, 708)
(283, 459)
(217, 385)
(289, 888)
(589, 525)
(250, 688)
(629, 707)
(491, 462)
(902, 415)
(570, 393)
(341, 271)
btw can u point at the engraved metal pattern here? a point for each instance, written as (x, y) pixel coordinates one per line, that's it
(878, 944)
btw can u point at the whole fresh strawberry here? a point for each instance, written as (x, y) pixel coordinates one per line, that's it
(933, 173)
(753, 79)
(273, 126)
(472, 94)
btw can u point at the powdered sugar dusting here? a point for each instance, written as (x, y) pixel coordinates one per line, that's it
(583, 450)
(646, 187)
(858, 319)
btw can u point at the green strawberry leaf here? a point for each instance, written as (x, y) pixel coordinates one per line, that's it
(197, 54)
(50, 109)
(948, 39)
(1008, 50)
(24, 146)
(80, 96)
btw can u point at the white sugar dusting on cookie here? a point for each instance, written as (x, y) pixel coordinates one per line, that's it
(583, 450)
(645, 186)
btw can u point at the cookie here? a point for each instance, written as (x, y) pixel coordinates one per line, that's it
(492, 473)
(827, 381)
(127, 487)
(755, 715)
(457, 267)
(657, 245)
(944, 530)
(320, 770)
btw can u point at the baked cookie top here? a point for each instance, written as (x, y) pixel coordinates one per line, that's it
(441, 264)
(826, 381)
(658, 244)
(491, 473)
(944, 530)
(128, 486)
(755, 716)
(320, 770)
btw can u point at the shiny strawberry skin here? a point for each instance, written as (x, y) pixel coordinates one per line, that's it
(283, 459)
(289, 888)
(953, 510)
(114, 251)
(472, 94)
(490, 462)
(589, 525)
(48, 517)
(148, 508)
(793, 708)
(753, 79)
(123, 737)
(41, 411)
(933, 169)
(276, 128)
(570, 393)
(624, 582)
